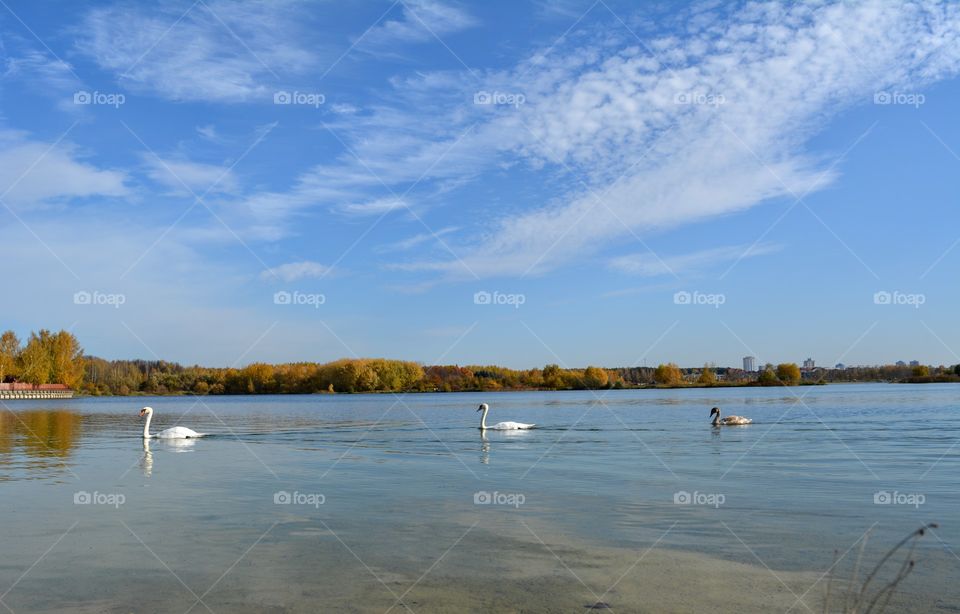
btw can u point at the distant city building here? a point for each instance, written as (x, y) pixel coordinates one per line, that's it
(914, 363)
(808, 363)
(840, 365)
(749, 364)
(900, 363)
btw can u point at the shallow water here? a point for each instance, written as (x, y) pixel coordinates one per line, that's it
(371, 503)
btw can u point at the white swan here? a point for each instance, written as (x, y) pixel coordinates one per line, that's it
(729, 420)
(176, 432)
(500, 426)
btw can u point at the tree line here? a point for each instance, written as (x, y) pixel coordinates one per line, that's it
(58, 358)
(123, 377)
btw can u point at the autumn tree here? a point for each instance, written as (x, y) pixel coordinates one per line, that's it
(788, 373)
(9, 350)
(707, 376)
(595, 377)
(553, 377)
(668, 375)
(66, 359)
(34, 361)
(921, 371)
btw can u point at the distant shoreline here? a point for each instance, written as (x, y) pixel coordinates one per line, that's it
(502, 390)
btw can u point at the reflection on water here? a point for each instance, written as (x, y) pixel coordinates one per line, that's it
(39, 439)
(484, 448)
(168, 445)
(146, 461)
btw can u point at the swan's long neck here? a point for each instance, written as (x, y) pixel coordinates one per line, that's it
(146, 426)
(483, 418)
(716, 419)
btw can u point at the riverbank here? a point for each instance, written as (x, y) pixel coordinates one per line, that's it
(187, 393)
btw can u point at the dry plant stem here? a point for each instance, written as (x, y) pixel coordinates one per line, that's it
(856, 572)
(889, 588)
(918, 533)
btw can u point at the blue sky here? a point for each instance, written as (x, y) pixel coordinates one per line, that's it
(166, 171)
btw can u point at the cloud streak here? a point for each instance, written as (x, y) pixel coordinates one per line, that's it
(629, 137)
(294, 271)
(34, 173)
(211, 51)
(651, 265)
(420, 21)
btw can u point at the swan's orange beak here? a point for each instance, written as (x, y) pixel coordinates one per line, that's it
(141, 413)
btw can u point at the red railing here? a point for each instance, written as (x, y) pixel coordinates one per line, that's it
(22, 386)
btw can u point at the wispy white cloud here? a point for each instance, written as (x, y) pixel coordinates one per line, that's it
(420, 21)
(621, 136)
(377, 206)
(38, 68)
(214, 51)
(184, 177)
(208, 132)
(36, 173)
(681, 129)
(418, 239)
(293, 271)
(651, 265)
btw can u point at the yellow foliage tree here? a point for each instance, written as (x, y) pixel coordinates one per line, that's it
(595, 377)
(667, 375)
(788, 373)
(9, 350)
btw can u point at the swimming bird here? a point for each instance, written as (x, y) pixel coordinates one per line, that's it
(176, 432)
(500, 426)
(729, 420)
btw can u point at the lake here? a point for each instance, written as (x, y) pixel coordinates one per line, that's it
(627, 501)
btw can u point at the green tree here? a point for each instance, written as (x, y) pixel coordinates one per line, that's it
(768, 377)
(707, 376)
(668, 375)
(788, 373)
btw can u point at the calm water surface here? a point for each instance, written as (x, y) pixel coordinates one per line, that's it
(375, 503)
